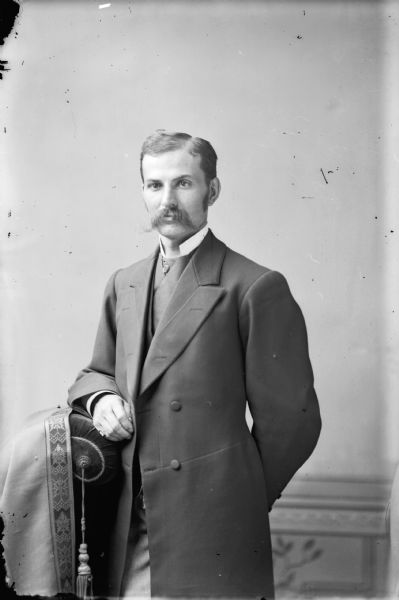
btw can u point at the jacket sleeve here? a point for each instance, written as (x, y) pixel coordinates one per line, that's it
(279, 380)
(100, 373)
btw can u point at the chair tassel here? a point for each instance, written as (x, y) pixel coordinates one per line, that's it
(84, 580)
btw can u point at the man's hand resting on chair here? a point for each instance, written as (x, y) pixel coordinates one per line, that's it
(113, 419)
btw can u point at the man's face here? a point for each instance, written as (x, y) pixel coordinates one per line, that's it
(176, 193)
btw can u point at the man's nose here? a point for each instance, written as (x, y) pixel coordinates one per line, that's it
(168, 197)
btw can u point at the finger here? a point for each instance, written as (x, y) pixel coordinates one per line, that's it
(99, 425)
(103, 426)
(105, 431)
(114, 438)
(112, 427)
(121, 411)
(128, 410)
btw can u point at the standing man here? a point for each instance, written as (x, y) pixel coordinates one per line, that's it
(187, 338)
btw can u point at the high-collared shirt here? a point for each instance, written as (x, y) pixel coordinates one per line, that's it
(188, 245)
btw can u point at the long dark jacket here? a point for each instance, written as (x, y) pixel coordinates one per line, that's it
(232, 334)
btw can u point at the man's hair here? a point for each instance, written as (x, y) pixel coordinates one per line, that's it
(162, 141)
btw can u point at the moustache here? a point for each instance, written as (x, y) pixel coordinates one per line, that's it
(177, 215)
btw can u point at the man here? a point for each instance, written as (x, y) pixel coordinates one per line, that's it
(187, 338)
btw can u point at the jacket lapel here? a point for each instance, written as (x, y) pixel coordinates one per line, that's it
(134, 330)
(196, 295)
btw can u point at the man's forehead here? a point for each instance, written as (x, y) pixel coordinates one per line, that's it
(175, 161)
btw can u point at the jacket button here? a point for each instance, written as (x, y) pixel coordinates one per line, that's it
(175, 464)
(175, 405)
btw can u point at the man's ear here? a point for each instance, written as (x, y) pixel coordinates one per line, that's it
(214, 190)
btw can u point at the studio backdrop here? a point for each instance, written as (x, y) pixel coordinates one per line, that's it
(297, 99)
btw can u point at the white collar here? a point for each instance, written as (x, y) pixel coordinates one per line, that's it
(188, 245)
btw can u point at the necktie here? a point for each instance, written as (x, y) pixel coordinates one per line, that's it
(167, 275)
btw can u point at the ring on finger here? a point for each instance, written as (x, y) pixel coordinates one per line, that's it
(101, 431)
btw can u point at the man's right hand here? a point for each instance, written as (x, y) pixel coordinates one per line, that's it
(113, 419)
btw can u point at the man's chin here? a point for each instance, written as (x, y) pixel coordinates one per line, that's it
(174, 230)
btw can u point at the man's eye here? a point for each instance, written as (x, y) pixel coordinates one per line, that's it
(184, 183)
(154, 185)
